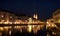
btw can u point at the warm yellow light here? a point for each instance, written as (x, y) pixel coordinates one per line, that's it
(29, 28)
(1, 28)
(1, 22)
(6, 28)
(38, 27)
(47, 22)
(53, 25)
(16, 22)
(59, 20)
(53, 33)
(6, 22)
(10, 32)
(35, 16)
(33, 26)
(10, 22)
(30, 20)
(15, 26)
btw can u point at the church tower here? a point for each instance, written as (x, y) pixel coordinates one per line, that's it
(35, 16)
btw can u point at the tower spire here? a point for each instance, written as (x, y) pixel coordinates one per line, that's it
(35, 14)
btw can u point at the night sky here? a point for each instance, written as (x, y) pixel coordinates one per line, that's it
(44, 8)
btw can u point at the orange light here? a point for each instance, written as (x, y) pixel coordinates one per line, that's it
(1, 28)
(6, 28)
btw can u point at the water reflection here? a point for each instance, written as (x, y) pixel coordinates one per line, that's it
(10, 30)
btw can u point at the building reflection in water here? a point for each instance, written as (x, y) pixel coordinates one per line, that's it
(29, 28)
(28, 24)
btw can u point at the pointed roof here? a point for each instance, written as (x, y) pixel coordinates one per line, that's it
(35, 10)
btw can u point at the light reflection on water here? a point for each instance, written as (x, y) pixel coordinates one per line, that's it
(8, 30)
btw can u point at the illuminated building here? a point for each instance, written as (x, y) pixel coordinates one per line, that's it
(35, 16)
(7, 17)
(56, 16)
(32, 24)
(50, 23)
(55, 19)
(53, 24)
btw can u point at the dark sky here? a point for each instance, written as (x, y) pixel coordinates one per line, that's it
(28, 7)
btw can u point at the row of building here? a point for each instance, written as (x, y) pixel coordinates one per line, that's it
(55, 20)
(10, 18)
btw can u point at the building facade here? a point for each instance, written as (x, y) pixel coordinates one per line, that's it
(9, 18)
(56, 16)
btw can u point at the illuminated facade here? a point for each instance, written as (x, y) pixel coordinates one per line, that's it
(56, 16)
(6, 18)
(9, 18)
(50, 23)
(35, 16)
(55, 20)
(53, 24)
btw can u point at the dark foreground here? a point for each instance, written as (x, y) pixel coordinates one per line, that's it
(39, 33)
(25, 33)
